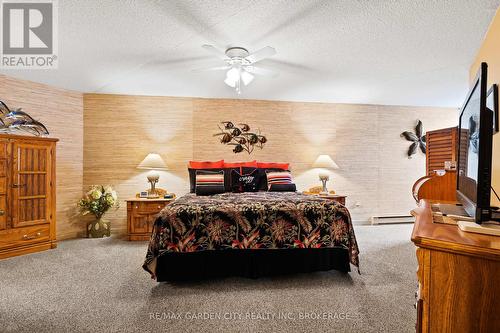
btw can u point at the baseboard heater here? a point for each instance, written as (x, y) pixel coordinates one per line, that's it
(392, 219)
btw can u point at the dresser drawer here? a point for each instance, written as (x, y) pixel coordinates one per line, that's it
(148, 207)
(24, 236)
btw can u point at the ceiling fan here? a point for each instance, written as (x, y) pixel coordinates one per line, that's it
(240, 64)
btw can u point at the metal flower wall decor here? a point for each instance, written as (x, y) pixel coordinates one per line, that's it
(18, 120)
(417, 139)
(240, 137)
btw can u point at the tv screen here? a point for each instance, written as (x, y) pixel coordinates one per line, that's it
(492, 104)
(469, 147)
(474, 150)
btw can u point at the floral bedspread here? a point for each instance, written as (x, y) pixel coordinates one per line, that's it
(251, 220)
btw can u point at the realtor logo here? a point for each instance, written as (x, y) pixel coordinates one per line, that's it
(29, 34)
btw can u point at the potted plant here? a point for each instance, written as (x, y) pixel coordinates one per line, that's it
(97, 201)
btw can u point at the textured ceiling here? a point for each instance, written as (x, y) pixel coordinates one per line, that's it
(380, 52)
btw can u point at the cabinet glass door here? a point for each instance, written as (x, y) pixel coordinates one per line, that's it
(30, 184)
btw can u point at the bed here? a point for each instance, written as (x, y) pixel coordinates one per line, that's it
(250, 234)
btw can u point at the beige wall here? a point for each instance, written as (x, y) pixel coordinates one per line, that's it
(363, 140)
(490, 53)
(61, 111)
(121, 130)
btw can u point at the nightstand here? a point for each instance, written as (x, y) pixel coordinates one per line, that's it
(141, 215)
(334, 197)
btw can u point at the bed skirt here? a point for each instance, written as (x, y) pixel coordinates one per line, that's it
(183, 266)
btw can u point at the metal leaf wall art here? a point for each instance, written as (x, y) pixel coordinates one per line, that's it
(18, 120)
(417, 139)
(240, 137)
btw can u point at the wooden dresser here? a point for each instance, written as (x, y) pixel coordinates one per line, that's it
(27, 194)
(458, 277)
(141, 215)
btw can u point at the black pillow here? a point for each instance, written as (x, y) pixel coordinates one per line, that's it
(246, 182)
(192, 178)
(262, 175)
(283, 188)
(209, 182)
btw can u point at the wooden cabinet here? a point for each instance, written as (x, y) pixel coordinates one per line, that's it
(27, 194)
(338, 198)
(334, 197)
(141, 215)
(458, 274)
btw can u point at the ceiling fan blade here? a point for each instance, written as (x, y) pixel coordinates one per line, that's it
(218, 68)
(261, 71)
(266, 52)
(215, 51)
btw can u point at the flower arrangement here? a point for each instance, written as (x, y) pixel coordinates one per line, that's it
(98, 200)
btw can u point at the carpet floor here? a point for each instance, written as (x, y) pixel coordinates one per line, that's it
(98, 285)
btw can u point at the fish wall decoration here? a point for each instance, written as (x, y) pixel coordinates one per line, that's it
(240, 137)
(18, 120)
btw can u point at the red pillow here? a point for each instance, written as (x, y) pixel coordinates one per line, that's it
(272, 165)
(250, 164)
(206, 164)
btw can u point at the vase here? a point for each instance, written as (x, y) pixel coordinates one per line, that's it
(98, 228)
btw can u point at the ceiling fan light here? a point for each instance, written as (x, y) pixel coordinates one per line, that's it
(246, 78)
(230, 82)
(233, 74)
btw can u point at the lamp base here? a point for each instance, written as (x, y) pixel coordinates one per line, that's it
(323, 179)
(153, 178)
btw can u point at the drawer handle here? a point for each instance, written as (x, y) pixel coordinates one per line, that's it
(2, 212)
(38, 234)
(159, 206)
(18, 185)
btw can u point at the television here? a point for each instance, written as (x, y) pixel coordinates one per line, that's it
(492, 104)
(475, 131)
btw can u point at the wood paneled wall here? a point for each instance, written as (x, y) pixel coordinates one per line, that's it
(62, 113)
(363, 140)
(121, 130)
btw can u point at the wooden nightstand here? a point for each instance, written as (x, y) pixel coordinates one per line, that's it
(334, 197)
(141, 215)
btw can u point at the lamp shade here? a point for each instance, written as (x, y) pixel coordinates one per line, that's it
(325, 162)
(152, 162)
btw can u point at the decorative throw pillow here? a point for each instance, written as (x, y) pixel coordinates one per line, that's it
(192, 178)
(278, 177)
(273, 165)
(206, 164)
(250, 164)
(283, 188)
(244, 182)
(209, 182)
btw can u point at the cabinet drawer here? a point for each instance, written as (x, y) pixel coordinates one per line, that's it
(148, 207)
(24, 236)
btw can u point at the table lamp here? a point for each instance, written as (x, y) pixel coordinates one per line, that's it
(153, 162)
(324, 162)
